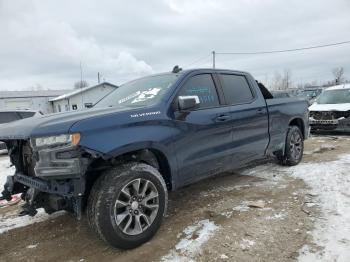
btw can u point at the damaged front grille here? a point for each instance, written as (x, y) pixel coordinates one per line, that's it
(329, 115)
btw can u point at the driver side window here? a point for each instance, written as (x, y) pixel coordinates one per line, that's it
(202, 86)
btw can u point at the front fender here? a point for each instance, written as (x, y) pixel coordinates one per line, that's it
(113, 142)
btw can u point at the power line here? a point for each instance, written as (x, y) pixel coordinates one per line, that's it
(198, 60)
(282, 51)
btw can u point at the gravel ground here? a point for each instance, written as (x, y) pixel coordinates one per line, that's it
(303, 214)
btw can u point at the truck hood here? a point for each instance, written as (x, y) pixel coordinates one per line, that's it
(52, 124)
(329, 107)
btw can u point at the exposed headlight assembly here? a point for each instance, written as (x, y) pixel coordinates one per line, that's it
(66, 139)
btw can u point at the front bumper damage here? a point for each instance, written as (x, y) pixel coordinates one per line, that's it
(52, 178)
(329, 121)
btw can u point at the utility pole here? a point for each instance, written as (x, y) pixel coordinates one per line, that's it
(81, 85)
(213, 59)
(98, 77)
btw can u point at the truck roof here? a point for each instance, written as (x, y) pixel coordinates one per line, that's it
(214, 70)
(185, 71)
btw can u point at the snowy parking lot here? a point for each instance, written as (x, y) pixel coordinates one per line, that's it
(263, 213)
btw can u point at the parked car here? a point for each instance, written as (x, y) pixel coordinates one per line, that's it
(152, 135)
(331, 110)
(14, 115)
(281, 94)
(310, 94)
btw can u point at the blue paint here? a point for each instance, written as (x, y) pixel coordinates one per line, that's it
(196, 144)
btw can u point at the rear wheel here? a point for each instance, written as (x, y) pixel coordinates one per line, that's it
(127, 204)
(294, 147)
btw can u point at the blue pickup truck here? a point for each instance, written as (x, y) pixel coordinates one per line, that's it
(117, 161)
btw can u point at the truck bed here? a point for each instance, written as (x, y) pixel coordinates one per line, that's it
(281, 112)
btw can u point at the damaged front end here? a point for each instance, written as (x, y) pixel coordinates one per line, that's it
(50, 173)
(329, 120)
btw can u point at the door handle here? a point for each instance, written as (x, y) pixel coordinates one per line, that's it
(222, 118)
(260, 111)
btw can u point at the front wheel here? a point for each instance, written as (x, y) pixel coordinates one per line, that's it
(294, 147)
(127, 204)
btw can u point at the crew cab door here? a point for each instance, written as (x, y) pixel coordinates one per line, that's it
(249, 118)
(202, 147)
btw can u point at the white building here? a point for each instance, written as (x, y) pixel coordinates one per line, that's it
(35, 100)
(81, 98)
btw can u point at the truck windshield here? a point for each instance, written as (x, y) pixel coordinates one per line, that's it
(336, 96)
(141, 92)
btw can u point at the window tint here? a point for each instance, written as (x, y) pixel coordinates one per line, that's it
(236, 89)
(26, 114)
(6, 117)
(203, 87)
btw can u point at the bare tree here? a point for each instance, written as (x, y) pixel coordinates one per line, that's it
(286, 79)
(276, 80)
(80, 84)
(281, 81)
(338, 74)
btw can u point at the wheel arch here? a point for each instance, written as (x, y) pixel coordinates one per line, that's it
(147, 153)
(297, 121)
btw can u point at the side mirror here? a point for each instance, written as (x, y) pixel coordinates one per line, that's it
(188, 102)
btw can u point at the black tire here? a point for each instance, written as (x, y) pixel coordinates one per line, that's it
(105, 198)
(294, 147)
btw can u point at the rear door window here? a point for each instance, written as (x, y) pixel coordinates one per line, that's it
(236, 89)
(202, 86)
(6, 117)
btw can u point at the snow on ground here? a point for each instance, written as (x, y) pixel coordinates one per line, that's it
(190, 245)
(11, 221)
(330, 183)
(246, 243)
(5, 170)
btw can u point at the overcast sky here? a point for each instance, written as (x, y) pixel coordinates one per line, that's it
(43, 42)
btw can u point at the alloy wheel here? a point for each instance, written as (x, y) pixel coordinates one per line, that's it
(136, 206)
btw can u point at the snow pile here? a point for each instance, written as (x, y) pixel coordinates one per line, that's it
(5, 170)
(190, 245)
(330, 181)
